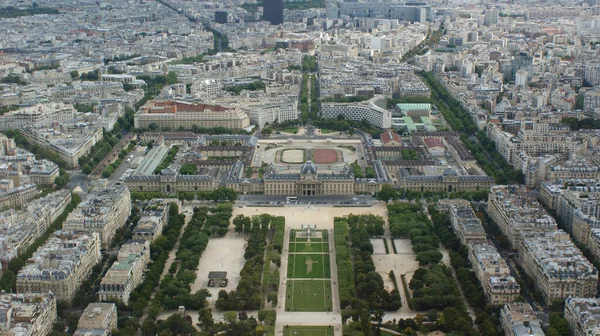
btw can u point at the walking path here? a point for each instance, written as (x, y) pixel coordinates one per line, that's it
(332, 318)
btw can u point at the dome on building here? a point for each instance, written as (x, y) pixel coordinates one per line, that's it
(308, 168)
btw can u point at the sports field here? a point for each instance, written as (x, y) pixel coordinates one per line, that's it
(304, 266)
(327, 156)
(308, 295)
(307, 331)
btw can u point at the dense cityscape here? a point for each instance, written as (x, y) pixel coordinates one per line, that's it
(299, 167)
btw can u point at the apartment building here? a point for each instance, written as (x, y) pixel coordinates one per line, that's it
(104, 210)
(15, 197)
(70, 140)
(20, 228)
(27, 314)
(583, 315)
(39, 114)
(493, 272)
(466, 226)
(60, 265)
(575, 206)
(558, 267)
(175, 114)
(448, 180)
(97, 319)
(519, 319)
(43, 172)
(208, 88)
(170, 180)
(373, 110)
(271, 112)
(126, 273)
(534, 143)
(154, 217)
(518, 214)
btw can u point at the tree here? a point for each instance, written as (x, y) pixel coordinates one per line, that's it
(153, 127)
(387, 193)
(205, 318)
(74, 74)
(171, 77)
(230, 317)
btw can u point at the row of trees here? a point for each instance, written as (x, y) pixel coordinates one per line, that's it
(373, 224)
(486, 316)
(304, 107)
(98, 152)
(108, 171)
(159, 253)
(388, 192)
(344, 263)
(175, 289)
(343, 125)
(368, 283)
(309, 63)
(247, 295)
(585, 123)
(273, 256)
(460, 120)
(218, 195)
(407, 220)
(314, 97)
(216, 220)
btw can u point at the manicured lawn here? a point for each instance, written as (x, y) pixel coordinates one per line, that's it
(293, 130)
(308, 331)
(308, 295)
(309, 266)
(309, 247)
(327, 131)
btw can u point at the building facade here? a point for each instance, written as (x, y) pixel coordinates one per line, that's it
(558, 267)
(60, 265)
(175, 115)
(104, 210)
(27, 314)
(126, 273)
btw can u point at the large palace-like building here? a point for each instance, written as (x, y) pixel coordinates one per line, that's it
(308, 181)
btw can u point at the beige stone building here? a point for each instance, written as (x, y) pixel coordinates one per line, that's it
(126, 273)
(174, 115)
(519, 319)
(98, 316)
(558, 267)
(154, 217)
(493, 273)
(518, 214)
(60, 265)
(27, 314)
(583, 315)
(104, 210)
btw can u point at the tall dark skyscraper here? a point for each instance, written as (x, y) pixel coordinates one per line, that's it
(273, 11)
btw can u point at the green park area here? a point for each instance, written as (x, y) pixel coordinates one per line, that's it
(292, 130)
(308, 331)
(309, 247)
(308, 295)
(327, 131)
(303, 266)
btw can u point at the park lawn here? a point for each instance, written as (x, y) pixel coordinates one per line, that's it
(309, 247)
(300, 268)
(387, 333)
(327, 131)
(308, 295)
(292, 130)
(308, 331)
